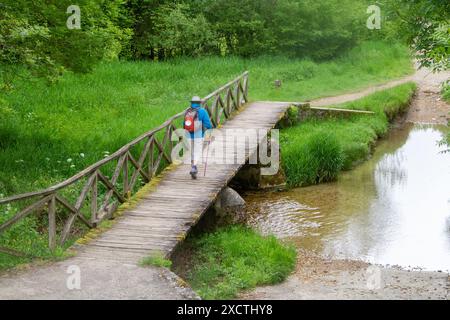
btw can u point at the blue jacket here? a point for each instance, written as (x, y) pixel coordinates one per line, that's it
(203, 117)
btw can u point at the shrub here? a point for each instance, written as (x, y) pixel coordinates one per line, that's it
(318, 160)
(315, 151)
(179, 34)
(237, 258)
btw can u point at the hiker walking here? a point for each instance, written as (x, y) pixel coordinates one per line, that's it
(196, 122)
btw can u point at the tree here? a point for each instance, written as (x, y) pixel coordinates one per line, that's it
(425, 25)
(317, 29)
(139, 15)
(241, 25)
(177, 33)
(34, 35)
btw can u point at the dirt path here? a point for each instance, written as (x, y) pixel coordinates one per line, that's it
(427, 107)
(327, 101)
(317, 277)
(86, 279)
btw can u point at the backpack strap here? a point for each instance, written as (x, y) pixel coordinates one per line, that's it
(193, 110)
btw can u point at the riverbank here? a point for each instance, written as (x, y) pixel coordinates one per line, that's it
(318, 149)
(317, 277)
(222, 263)
(430, 105)
(373, 212)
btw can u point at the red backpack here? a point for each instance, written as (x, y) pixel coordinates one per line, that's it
(190, 118)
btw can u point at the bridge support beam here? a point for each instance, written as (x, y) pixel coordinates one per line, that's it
(250, 178)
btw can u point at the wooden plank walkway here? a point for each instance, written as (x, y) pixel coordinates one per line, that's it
(164, 216)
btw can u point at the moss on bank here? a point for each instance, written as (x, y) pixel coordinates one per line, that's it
(316, 150)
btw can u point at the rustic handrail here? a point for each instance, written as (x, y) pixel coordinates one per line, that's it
(220, 104)
(91, 168)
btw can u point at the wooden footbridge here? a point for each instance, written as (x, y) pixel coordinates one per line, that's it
(172, 203)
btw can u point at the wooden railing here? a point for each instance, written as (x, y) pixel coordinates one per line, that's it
(98, 195)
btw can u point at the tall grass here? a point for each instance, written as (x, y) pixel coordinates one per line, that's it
(316, 150)
(318, 159)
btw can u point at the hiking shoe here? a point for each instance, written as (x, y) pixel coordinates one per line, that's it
(194, 172)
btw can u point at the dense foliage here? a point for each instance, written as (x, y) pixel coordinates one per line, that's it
(425, 24)
(318, 29)
(34, 34)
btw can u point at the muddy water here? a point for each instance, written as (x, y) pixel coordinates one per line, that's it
(393, 210)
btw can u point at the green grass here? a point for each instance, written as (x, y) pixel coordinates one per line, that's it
(49, 133)
(157, 260)
(316, 150)
(237, 258)
(7, 261)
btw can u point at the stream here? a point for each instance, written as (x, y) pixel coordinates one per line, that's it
(393, 209)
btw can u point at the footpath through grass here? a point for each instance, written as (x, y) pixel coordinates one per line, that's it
(316, 150)
(227, 261)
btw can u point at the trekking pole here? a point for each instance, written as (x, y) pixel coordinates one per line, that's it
(207, 150)
(207, 147)
(207, 153)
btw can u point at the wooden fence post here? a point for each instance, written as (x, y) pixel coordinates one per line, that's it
(52, 223)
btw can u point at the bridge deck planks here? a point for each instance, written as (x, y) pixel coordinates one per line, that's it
(164, 216)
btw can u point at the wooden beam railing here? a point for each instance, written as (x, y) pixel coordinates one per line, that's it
(99, 195)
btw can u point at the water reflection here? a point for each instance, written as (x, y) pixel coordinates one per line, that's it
(390, 210)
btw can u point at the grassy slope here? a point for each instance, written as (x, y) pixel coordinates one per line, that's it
(354, 135)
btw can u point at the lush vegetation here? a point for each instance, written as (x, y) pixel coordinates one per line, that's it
(424, 24)
(68, 97)
(236, 258)
(35, 34)
(316, 150)
(50, 133)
